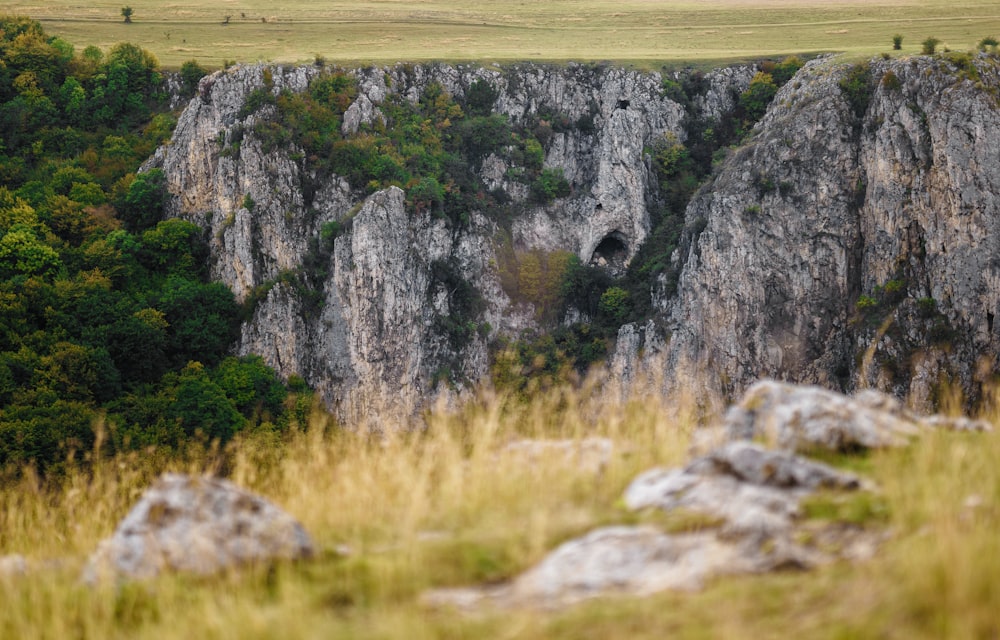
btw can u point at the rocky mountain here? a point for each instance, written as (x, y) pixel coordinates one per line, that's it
(850, 241)
(370, 335)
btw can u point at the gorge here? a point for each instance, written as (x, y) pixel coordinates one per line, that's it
(850, 240)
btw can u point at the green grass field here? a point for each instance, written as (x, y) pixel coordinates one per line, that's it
(642, 32)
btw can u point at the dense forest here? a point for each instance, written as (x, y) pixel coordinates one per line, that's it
(106, 314)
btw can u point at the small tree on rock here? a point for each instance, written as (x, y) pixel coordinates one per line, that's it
(897, 42)
(127, 14)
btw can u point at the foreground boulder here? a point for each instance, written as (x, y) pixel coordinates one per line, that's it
(200, 525)
(744, 487)
(738, 505)
(742, 506)
(803, 418)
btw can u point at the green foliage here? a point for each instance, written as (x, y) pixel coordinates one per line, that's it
(329, 232)
(784, 70)
(929, 46)
(865, 302)
(532, 364)
(248, 203)
(198, 404)
(856, 86)
(897, 42)
(24, 253)
(250, 385)
(758, 95)
(480, 97)
(549, 185)
(676, 173)
(891, 81)
(97, 320)
(143, 203)
(614, 304)
(465, 304)
(127, 14)
(989, 43)
(191, 74)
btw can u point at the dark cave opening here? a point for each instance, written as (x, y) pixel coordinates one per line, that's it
(611, 253)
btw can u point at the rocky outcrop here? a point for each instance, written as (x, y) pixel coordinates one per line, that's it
(196, 525)
(802, 418)
(849, 243)
(737, 509)
(359, 316)
(852, 241)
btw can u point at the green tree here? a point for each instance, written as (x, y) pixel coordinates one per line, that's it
(614, 305)
(127, 14)
(929, 46)
(23, 253)
(480, 97)
(191, 74)
(175, 247)
(549, 185)
(758, 96)
(251, 385)
(137, 343)
(143, 203)
(199, 404)
(897, 42)
(203, 319)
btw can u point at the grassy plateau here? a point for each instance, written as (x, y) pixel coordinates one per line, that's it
(641, 32)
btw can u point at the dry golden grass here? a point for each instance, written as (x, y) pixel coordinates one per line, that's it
(635, 31)
(440, 507)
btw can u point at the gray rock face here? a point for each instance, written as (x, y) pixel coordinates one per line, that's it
(804, 418)
(748, 488)
(824, 205)
(197, 525)
(370, 336)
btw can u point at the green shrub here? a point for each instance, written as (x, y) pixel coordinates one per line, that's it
(191, 74)
(615, 304)
(897, 42)
(758, 95)
(248, 203)
(784, 70)
(926, 307)
(549, 185)
(866, 302)
(929, 46)
(856, 86)
(989, 42)
(480, 97)
(890, 81)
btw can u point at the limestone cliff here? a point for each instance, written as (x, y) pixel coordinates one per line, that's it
(853, 240)
(849, 242)
(362, 309)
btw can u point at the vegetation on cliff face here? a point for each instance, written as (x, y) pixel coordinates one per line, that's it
(106, 313)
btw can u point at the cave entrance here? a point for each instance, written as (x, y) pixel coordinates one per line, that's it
(611, 253)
